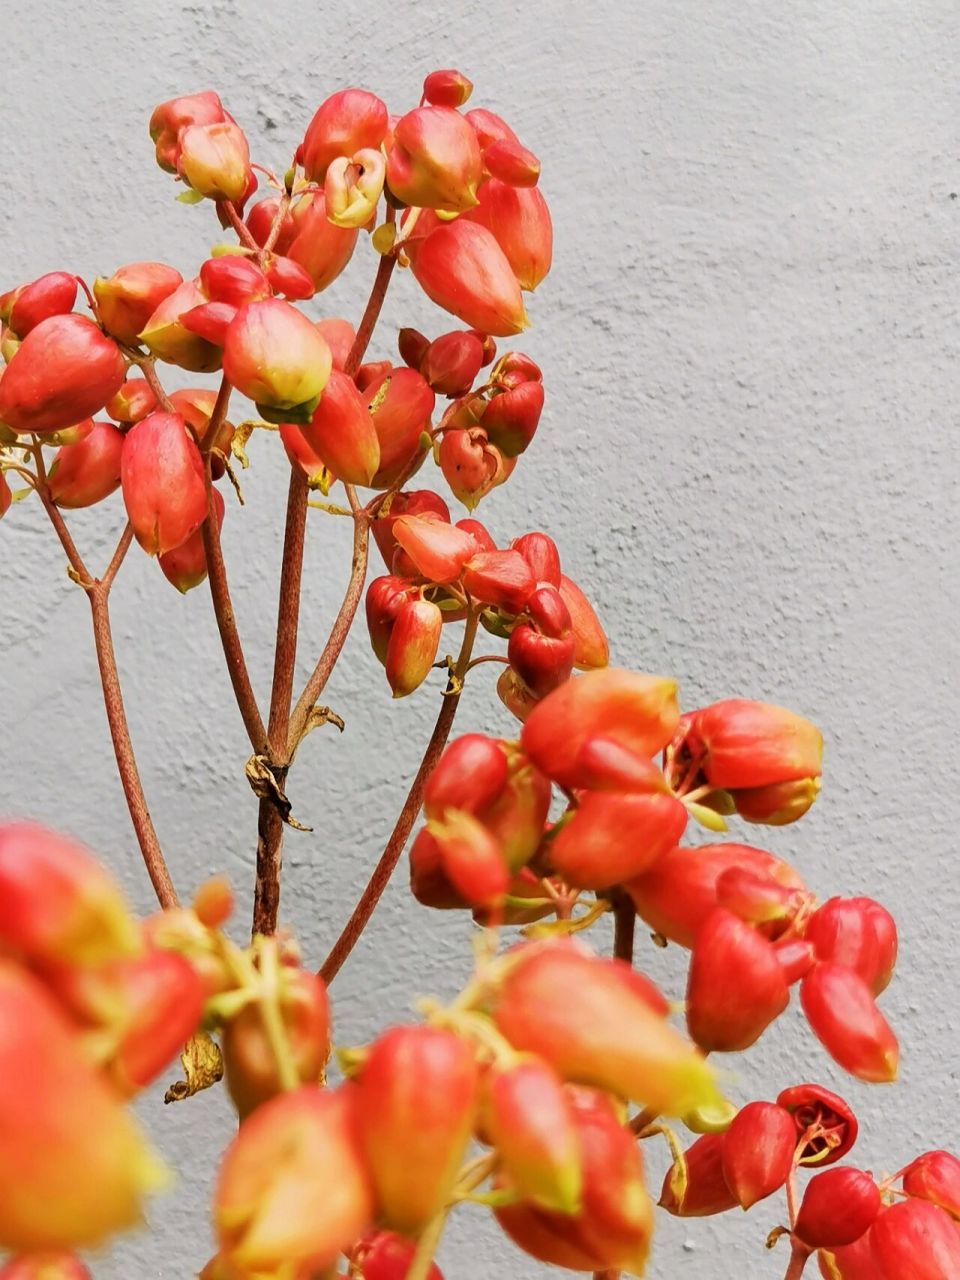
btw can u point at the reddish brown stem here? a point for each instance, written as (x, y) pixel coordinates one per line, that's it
(384, 869)
(799, 1255)
(228, 208)
(371, 314)
(150, 374)
(624, 927)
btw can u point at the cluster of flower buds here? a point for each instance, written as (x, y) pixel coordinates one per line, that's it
(197, 139)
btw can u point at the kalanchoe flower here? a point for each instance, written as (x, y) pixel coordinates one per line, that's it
(400, 403)
(318, 246)
(841, 1011)
(234, 279)
(519, 220)
(471, 466)
(185, 567)
(471, 859)
(53, 294)
(511, 417)
(752, 744)
(288, 277)
(161, 473)
(541, 554)
(508, 161)
(127, 299)
(447, 88)
(166, 337)
(386, 596)
(342, 431)
(195, 405)
(591, 648)
(502, 579)
(611, 838)
(170, 118)
(699, 1188)
(451, 362)
(65, 370)
(736, 986)
(838, 1207)
(133, 401)
(935, 1176)
(859, 934)
(412, 647)
(347, 122)
(433, 160)
(274, 355)
(88, 471)
(412, 502)
(384, 1255)
(826, 1127)
(438, 550)
(461, 267)
(416, 1100)
(914, 1240)
(353, 186)
(758, 1151)
(214, 159)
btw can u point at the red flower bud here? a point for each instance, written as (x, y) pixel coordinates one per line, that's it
(65, 370)
(702, 1189)
(511, 418)
(169, 339)
(796, 958)
(56, 901)
(471, 465)
(935, 1176)
(386, 596)
(838, 1207)
(433, 160)
(210, 321)
(755, 897)
(322, 249)
(412, 647)
(169, 118)
(758, 1151)
(447, 88)
(509, 162)
(353, 187)
(500, 578)
(133, 401)
(776, 805)
(826, 1127)
(611, 838)
(639, 712)
(347, 122)
(736, 986)
(387, 1256)
(471, 858)
(73, 1167)
(540, 552)
(185, 567)
(461, 267)
(841, 1011)
(417, 1094)
(412, 346)
(438, 550)
(249, 1061)
(615, 1222)
(429, 882)
(293, 1190)
(677, 895)
(85, 473)
(53, 294)
(451, 362)
(470, 775)
(519, 221)
(234, 279)
(489, 127)
(753, 744)
(342, 431)
(859, 934)
(413, 502)
(914, 1240)
(529, 1118)
(161, 473)
(45, 1266)
(543, 662)
(127, 300)
(275, 356)
(582, 1015)
(400, 403)
(214, 159)
(288, 277)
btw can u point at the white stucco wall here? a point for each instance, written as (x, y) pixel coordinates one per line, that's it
(749, 342)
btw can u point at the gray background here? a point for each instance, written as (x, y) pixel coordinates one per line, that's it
(747, 455)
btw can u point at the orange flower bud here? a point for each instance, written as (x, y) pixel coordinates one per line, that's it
(320, 247)
(776, 805)
(214, 159)
(611, 838)
(53, 294)
(161, 474)
(529, 1118)
(753, 744)
(353, 186)
(843, 1016)
(509, 162)
(195, 405)
(168, 339)
(736, 986)
(45, 1266)
(85, 473)
(591, 648)
(73, 1167)
(127, 300)
(439, 550)
(275, 356)
(347, 122)
(758, 1150)
(213, 902)
(400, 404)
(412, 647)
(500, 578)
(471, 465)
(169, 118)
(461, 267)
(703, 1190)
(185, 567)
(489, 127)
(65, 370)
(133, 401)
(583, 1016)
(447, 88)
(249, 1061)
(57, 903)
(638, 712)
(339, 336)
(294, 1190)
(433, 160)
(342, 431)
(519, 221)
(417, 1095)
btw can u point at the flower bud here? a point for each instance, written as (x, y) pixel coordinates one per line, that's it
(542, 662)
(541, 554)
(386, 1256)
(320, 247)
(935, 1176)
(639, 712)
(294, 1189)
(755, 897)
(509, 162)
(581, 1014)
(859, 934)
(53, 294)
(386, 596)
(500, 578)
(412, 647)
(233, 279)
(65, 370)
(161, 474)
(489, 127)
(45, 1266)
(73, 1167)
(196, 405)
(133, 401)
(57, 903)
(353, 186)
(752, 744)
(169, 118)
(213, 902)
(777, 805)
(439, 550)
(757, 1152)
(700, 1189)
(127, 300)
(838, 1207)
(471, 858)
(516, 696)
(433, 160)
(417, 1094)
(470, 775)
(168, 339)
(429, 882)
(342, 432)
(611, 838)
(528, 1117)
(851, 1261)
(301, 455)
(841, 1011)
(519, 221)
(451, 362)
(400, 403)
(511, 418)
(214, 159)
(288, 277)
(85, 473)
(591, 648)
(210, 321)
(249, 1060)
(339, 336)
(413, 346)
(347, 122)
(826, 1127)
(613, 1227)
(678, 894)
(914, 1240)
(447, 88)
(471, 466)
(736, 986)
(275, 356)
(461, 267)
(185, 567)
(412, 502)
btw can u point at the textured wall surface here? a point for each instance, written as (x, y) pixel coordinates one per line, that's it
(749, 341)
